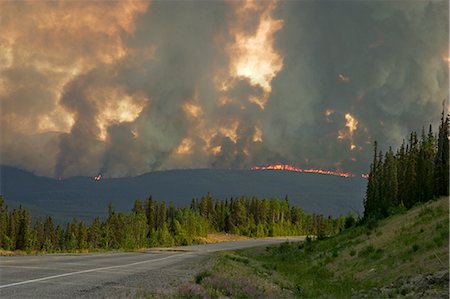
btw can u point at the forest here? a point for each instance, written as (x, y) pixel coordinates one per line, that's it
(154, 223)
(417, 172)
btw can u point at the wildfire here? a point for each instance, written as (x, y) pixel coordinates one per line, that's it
(352, 125)
(257, 136)
(344, 78)
(258, 60)
(193, 109)
(118, 107)
(306, 170)
(253, 56)
(59, 41)
(230, 131)
(446, 59)
(185, 146)
(328, 114)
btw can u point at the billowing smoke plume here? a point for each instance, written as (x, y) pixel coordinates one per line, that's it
(127, 87)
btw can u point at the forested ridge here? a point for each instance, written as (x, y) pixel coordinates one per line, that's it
(417, 172)
(154, 223)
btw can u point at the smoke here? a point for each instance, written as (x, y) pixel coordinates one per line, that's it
(129, 87)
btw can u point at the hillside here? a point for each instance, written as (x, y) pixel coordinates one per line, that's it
(403, 255)
(85, 198)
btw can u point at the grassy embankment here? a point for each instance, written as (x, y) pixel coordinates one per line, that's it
(397, 256)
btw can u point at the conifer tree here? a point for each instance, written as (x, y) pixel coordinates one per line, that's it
(401, 174)
(3, 218)
(388, 184)
(82, 236)
(49, 234)
(94, 234)
(411, 186)
(59, 235)
(441, 174)
(150, 211)
(372, 186)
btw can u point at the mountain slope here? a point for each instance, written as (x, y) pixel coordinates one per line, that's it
(403, 255)
(85, 198)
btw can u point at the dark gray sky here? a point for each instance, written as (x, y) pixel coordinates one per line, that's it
(128, 87)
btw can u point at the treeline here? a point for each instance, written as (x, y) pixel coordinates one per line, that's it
(152, 223)
(417, 172)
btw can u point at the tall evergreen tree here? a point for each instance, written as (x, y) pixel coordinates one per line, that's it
(389, 179)
(94, 234)
(370, 202)
(441, 174)
(3, 218)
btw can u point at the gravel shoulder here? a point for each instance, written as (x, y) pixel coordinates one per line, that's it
(156, 283)
(155, 273)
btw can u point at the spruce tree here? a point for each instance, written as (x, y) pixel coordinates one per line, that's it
(441, 174)
(370, 202)
(94, 234)
(390, 183)
(49, 234)
(3, 217)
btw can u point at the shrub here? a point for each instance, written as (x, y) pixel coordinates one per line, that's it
(371, 252)
(202, 275)
(192, 291)
(349, 221)
(238, 258)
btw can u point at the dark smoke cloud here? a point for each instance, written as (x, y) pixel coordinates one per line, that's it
(392, 53)
(61, 88)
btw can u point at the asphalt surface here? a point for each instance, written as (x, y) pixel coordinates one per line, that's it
(111, 274)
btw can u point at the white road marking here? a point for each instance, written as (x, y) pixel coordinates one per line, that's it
(89, 270)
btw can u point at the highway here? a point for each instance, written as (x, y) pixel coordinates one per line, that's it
(111, 274)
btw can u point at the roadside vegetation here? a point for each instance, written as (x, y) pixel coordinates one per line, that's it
(403, 255)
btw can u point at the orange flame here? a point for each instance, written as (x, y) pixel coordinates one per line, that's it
(306, 170)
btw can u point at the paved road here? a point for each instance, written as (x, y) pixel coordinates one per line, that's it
(108, 274)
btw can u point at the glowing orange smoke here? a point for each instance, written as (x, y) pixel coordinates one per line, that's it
(185, 147)
(257, 136)
(328, 113)
(446, 58)
(344, 78)
(352, 125)
(60, 40)
(253, 56)
(257, 60)
(117, 107)
(307, 170)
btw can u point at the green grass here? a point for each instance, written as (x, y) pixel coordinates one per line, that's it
(360, 258)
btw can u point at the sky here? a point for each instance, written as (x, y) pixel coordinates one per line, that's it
(127, 87)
